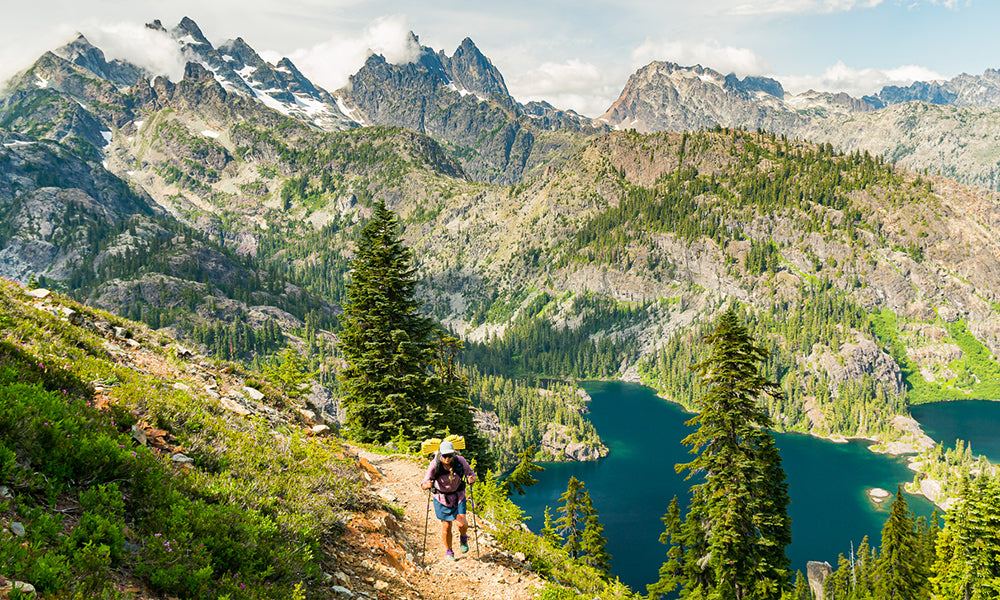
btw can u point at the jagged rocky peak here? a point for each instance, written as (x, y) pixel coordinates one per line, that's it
(187, 27)
(981, 91)
(932, 92)
(84, 54)
(240, 54)
(752, 83)
(241, 70)
(197, 73)
(471, 70)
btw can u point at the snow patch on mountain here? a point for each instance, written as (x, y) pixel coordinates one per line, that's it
(348, 111)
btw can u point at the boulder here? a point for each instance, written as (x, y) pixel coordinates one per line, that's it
(253, 393)
(817, 572)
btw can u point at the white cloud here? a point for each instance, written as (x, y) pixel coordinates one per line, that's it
(724, 59)
(332, 62)
(153, 50)
(858, 82)
(574, 84)
(952, 4)
(763, 7)
(16, 57)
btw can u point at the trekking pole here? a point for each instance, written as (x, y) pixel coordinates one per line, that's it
(427, 516)
(475, 528)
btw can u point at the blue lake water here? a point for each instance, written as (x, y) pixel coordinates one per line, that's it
(974, 421)
(632, 487)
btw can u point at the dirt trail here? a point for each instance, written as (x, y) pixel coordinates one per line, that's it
(493, 574)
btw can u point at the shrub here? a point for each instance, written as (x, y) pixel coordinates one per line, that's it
(102, 521)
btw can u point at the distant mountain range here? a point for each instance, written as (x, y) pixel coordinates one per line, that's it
(463, 102)
(950, 128)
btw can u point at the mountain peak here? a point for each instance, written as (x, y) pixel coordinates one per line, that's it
(468, 45)
(84, 54)
(189, 27)
(471, 70)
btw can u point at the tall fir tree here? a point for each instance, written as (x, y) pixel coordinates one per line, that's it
(401, 373)
(737, 527)
(580, 527)
(899, 570)
(672, 571)
(968, 547)
(573, 516)
(593, 544)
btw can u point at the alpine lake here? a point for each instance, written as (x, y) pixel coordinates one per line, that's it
(828, 482)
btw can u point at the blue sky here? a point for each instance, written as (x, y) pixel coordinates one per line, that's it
(574, 53)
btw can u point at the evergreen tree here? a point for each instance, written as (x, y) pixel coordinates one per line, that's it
(968, 547)
(741, 507)
(289, 372)
(672, 571)
(398, 376)
(801, 589)
(593, 544)
(522, 476)
(570, 524)
(899, 570)
(549, 533)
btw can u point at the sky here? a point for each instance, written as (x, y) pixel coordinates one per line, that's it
(575, 54)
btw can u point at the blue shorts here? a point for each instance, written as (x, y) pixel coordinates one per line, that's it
(448, 513)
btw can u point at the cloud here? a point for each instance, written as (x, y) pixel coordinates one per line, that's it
(765, 7)
(858, 82)
(952, 4)
(155, 51)
(574, 84)
(16, 57)
(332, 62)
(725, 59)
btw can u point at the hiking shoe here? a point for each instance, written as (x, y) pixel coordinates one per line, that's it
(464, 544)
(449, 555)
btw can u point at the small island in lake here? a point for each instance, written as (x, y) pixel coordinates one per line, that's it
(878, 495)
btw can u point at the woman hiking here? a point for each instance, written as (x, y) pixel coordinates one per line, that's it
(447, 475)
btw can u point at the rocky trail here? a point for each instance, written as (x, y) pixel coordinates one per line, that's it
(389, 549)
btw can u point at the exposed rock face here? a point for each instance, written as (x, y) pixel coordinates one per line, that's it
(923, 91)
(82, 53)
(470, 70)
(666, 96)
(59, 198)
(557, 441)
(464, 101)
(982, 91)
(488, 423)
(817, 572)
(857, 360)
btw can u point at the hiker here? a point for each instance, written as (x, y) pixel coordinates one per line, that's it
(446, 475)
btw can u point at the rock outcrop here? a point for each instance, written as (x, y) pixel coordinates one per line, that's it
(817, 572)
(856, 360)
(557, 442)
